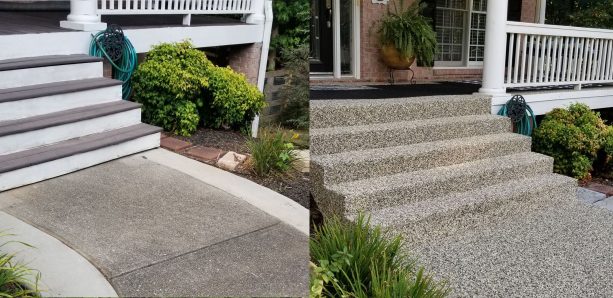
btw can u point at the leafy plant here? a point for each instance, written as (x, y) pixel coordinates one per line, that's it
(409, 32)
(170, 84)
(295, 92)
(580, 13)
(290, 26)
(358, 260)
(271, 152)
(15, 276)
(572, 137)
(231, 101)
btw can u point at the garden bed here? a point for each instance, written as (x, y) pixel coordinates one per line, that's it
(294, 185)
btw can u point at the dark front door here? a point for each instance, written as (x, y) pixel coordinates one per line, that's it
(321, 36)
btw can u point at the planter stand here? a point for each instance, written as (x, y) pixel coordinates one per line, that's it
(392, 80)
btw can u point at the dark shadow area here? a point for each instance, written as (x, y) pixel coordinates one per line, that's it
(392, 91)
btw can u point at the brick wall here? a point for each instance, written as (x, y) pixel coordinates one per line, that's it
(246, 59)
(373, 69)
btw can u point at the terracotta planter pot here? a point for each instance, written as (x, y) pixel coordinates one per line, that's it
(391, 57)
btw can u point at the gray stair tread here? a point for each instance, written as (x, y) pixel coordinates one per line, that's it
(438, 174)
(75, 146)
(42, 61)
(392, 101)
(40, 90)
(458, 202)
(64, 117)
(369, 155)
(401, 125)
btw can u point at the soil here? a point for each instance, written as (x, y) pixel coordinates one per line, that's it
(294, 185)
(604, 181)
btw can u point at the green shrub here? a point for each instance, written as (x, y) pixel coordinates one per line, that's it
(15, 276)
(572, 137)
(358, 260)
(231, 101)
(271, 152)
(295, 92)
(171, 84)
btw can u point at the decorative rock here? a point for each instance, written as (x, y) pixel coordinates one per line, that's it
(230, 161)
(303, 161)
(174, 144)
(589, 196)
(205, 154)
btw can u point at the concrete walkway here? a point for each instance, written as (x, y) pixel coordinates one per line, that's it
(155, 231)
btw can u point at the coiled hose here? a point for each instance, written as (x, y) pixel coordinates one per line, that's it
(120, 53)
(522, 116)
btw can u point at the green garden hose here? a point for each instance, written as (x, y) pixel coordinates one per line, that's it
(524, 120)
(119, 51)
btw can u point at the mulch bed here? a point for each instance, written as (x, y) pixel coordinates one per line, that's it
(294, 185)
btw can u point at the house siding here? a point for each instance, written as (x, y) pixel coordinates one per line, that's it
(373, 69)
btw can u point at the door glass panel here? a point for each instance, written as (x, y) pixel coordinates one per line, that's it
(477, 30)
(346, 12)
(315, 31)
(450, 24)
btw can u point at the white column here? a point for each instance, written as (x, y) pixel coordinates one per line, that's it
(542, 8)
(83, 16)
(267, 30)
(495, 48)
(336, 38)
(257, 16)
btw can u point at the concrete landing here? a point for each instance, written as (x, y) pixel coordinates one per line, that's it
(152, 230)
(560, 250)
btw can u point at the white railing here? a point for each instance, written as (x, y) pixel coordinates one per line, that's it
(175, 7)
(546, 55)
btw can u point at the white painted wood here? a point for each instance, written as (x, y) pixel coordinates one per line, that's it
(542, 102)
(336, 38)
(77, 162)
(50, 135)
(54, 103)
(182, 7)
(28, 45)
(263, 63)
(494, 64)
(49, 74)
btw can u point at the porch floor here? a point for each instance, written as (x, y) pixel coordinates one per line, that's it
(26, 22)
(363, 91)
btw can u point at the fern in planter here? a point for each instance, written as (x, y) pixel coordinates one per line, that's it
(409, 32)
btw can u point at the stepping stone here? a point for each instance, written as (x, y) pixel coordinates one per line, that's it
(174, 144)
(589, 196)
(206, 154)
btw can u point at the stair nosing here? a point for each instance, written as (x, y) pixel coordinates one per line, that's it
(12, 127)
(45, 61)
(55, 88)
(74, 146)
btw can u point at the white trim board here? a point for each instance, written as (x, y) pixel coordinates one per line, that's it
(64, 43)
(542, 102)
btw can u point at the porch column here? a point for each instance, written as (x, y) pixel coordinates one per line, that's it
(495, 48)
(257, 17)
(83, 16)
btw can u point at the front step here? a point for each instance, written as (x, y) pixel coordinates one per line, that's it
(331, 113)
(50, 161)
(386, 191)
(28, 101)
(24, 134)
(358, 165)
(47, 69)
(353, 138)
(450, 214)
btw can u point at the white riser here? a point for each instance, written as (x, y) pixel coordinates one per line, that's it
(60, 102)
(50, 135)
(77, 162)
(49, 74)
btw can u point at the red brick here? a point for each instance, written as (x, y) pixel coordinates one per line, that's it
(174, 144)
(206, 154)
(601, 188)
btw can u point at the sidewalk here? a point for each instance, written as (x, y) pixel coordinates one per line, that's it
(152, 230)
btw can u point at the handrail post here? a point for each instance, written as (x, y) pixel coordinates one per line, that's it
(267, 14)
(495, 48)
(83, 16)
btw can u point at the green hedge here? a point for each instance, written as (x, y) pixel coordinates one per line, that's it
(180, 89)
(573, 137)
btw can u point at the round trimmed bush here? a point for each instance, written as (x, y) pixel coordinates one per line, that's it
(171, 84)
(572, 137)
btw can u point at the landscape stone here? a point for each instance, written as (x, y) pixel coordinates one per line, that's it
(174, 144)
(304, 160)
(589, 196)
(231, 160)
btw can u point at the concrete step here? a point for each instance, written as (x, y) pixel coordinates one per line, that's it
(403, 188)
(331, 113)
(46, 162)
(352, 138)
(364, 164)
(48, 69)
(28, 133)
(450, 214)
(28, 101)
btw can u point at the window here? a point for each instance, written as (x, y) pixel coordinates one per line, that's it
(460, 30)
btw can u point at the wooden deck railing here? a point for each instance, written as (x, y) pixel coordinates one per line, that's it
(175, 7)
(543, 55)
